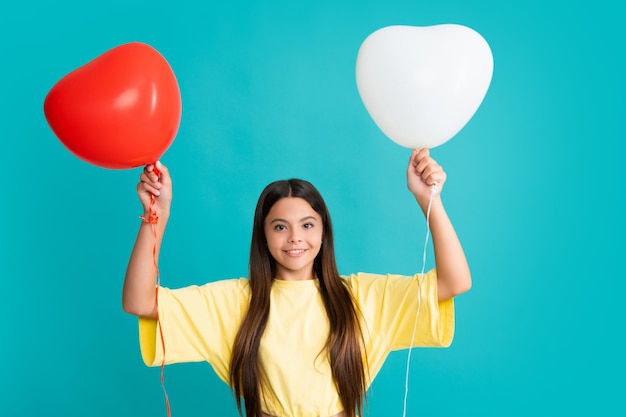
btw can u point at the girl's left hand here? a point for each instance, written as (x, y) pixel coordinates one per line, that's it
(422, 173)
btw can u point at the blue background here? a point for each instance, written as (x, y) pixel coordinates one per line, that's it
(534, 189)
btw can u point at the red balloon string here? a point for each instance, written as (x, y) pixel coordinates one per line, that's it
(153, 219)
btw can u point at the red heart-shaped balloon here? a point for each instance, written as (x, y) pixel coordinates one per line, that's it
(121, 110)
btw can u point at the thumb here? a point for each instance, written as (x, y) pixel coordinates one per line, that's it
(162, 171)
(412, 161)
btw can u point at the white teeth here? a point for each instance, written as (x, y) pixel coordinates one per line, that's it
(295, 252)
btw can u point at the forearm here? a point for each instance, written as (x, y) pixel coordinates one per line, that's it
(139, 292)
(453, 274)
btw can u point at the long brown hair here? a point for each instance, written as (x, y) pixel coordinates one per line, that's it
(344, 341)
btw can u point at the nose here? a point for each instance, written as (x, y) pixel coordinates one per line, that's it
(294, 238)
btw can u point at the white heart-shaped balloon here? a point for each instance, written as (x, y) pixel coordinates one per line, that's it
(421, 85)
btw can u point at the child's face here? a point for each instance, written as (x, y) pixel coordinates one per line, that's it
(294, 237)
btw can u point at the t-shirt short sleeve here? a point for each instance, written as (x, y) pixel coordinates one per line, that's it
(394, 305)
(196, 323)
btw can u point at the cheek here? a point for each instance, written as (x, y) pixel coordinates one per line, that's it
(271, 243)
(319, 243)
(321, 239)
(275, 243)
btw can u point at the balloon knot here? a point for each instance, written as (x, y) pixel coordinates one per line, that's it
(152, 219)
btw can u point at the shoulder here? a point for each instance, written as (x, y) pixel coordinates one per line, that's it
(226, 288)
(362, 283)
(365, 285)
(234, 285)
(366, 279)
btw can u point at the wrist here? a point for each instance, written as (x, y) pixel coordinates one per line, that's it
(425, 201)
(153, 215)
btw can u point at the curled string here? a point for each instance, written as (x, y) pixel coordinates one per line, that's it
(153, 219)
(433, 191)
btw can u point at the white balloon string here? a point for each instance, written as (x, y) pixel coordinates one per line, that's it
(433, 191)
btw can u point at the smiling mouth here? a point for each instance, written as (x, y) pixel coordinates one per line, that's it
(295, 252)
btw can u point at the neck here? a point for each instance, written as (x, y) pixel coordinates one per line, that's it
(286, 275)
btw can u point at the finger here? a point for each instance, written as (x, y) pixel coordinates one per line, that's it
(424, 163)
(153, 171)
(150, 179)
(429, 166)
(416, 156)
(434, 176)
(432, 168)
(420, 155)
(160, 167)
(147, 187)
(412, 159)
(410, 169)
(164, 174)
(148, 168)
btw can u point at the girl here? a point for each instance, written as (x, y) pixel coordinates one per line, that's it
(295, 339)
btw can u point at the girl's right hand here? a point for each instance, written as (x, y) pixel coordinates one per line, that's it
(158, 185)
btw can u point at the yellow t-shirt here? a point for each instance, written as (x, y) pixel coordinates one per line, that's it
(199, 323)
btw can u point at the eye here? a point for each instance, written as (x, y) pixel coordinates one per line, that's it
(280, 227)
(308, 225)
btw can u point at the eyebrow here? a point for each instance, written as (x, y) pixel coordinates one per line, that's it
(301, 220)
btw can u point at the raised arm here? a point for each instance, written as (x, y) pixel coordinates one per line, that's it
(453, 274)
(139, 292)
